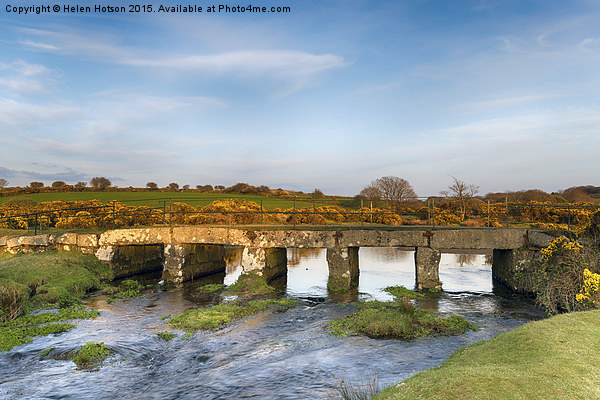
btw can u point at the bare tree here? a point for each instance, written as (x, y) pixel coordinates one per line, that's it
(80, 185)
(173, 186)
(100, 182)
(393, 189)
(186, 187)
(462, 193)
(371, 193)
(152, 185)
(3, 183)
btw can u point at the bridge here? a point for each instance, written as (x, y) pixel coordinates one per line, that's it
(188, 252)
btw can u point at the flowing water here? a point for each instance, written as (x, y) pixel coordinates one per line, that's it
(271, 356)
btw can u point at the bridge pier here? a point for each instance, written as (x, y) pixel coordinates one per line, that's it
(427, 268)
(131, 260)
(268, 262)
(184, 262)
(514, 267)
(343, 268)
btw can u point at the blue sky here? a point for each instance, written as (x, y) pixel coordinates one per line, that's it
(499, 93)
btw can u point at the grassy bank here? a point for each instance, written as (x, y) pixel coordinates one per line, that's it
(555, 358)
(52, 274)
(44, 280)
(398, 319)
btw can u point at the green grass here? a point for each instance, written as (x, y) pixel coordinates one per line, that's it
(53, 274)
(401, 291)
(396, 320)
(249, 285)
(157, 199)
(128, 288)
(166, 335)
(23, 329)
(90, 355)
(556, 358)
(211, 288)
(221, 314)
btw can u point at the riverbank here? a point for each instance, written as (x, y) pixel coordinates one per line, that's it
(43, 281)
(548, 359)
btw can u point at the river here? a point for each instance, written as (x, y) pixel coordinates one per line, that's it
(271, 356)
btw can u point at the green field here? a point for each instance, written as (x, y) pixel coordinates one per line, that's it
(159, 199)
(556, 358)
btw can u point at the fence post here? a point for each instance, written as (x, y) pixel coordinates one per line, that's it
(506, 207)
(164, 212)
(371, 213)
(362, 225)
(262, 219)
(211, 212)
(429, 212)
(170, 212)
(569, 221)
(314, 214)
(229, 212)
(294, 214)
(36, 224)
(113, 214)
(433, 213)
(489, 214)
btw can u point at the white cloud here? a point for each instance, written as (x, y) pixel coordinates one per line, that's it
(283, 71)
(21, 77)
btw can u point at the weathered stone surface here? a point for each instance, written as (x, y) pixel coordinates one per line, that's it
(343, 268)
(427, 261)
(184, 262)
(3, 240)
(137, 236)
(513, 268)
(87, 240)
(539, 239)
(268, 262)
(479, 238)
(30, 244)
(67, 239)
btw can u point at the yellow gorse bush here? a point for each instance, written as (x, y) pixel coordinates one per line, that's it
(560, 245)
(591, 285)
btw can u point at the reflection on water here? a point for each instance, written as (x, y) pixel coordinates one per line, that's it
(233, 260)
(272, 356)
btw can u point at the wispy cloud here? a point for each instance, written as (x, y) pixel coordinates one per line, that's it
(66, 175)
(21, 77)
(292, 70)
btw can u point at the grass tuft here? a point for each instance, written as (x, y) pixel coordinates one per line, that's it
(90, 355)
(221, 314)
(362, 391)
(397, 320)
(249, 285)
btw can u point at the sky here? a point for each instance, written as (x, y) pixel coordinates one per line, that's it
(332, 95)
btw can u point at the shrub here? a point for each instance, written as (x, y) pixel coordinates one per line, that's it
(13, 299)
(560, 281)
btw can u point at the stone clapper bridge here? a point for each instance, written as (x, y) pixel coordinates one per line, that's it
(189, 252)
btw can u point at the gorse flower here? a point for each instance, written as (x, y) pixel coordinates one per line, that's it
(591, 285)
(560, 245)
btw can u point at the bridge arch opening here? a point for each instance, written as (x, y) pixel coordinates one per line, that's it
(466, 271)
(385, 266)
